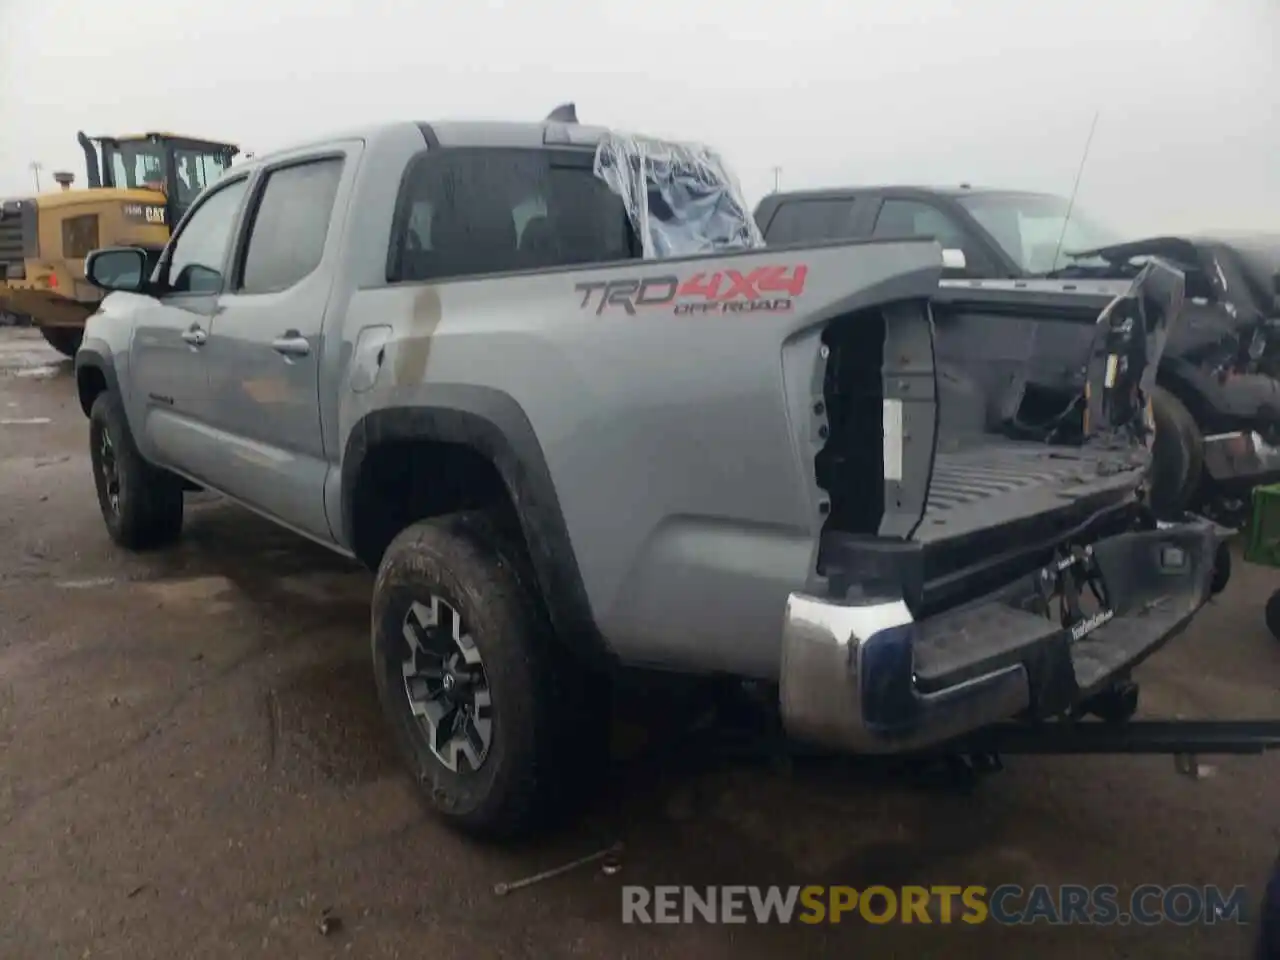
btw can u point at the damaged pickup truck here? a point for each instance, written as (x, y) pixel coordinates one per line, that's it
(546, 380)
(1216, 402)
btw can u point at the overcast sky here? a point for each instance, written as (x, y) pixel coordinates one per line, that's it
(998, 92)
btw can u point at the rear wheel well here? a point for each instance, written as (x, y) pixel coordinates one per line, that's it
(90, 381)
(403, 481)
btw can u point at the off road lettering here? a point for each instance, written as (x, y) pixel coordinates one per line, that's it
(701, 285)
(734, 285)
(628, 294)
(722, 291)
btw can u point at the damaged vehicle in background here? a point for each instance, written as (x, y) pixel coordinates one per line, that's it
(1216, 402)
(548, 381)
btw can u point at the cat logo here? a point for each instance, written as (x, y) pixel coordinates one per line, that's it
(148, 213)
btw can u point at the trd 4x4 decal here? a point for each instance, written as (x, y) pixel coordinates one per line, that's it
(770, 289)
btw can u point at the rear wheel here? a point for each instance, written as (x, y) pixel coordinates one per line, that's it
(66, 340)
(141, 504)
(478, 694)
(1177, 456)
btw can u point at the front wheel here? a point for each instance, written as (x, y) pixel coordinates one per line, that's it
(141, 504)
(470, 677)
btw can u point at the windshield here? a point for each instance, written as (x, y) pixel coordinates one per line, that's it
(1029, 227)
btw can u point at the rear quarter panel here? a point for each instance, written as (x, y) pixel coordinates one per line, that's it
(676, 433)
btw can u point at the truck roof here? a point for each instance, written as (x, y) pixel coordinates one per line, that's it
(160, 135)
(952, 190)
(458, 133)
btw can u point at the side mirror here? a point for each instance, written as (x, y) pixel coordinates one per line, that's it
(953, 259)
(117, 268)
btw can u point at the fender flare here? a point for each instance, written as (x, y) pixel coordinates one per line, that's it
(91, 358)
(494, 425)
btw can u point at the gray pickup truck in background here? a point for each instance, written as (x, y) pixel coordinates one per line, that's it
(549, 383)
(1217, 400)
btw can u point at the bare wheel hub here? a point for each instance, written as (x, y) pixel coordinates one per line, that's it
(446, 685)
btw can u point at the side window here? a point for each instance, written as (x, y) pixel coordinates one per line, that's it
(196, 170)
(914, 218)
(809, 221)
(289, 226)
(465, 212)
(198, 255)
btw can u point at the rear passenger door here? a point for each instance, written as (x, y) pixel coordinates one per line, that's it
(265, 346)
(815, 220)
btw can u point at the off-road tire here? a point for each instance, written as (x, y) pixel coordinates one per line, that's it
(1177, 456)
(146, 511)
(539, 746)
(66, 340)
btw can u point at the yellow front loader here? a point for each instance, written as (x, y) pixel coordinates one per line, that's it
(139, 187)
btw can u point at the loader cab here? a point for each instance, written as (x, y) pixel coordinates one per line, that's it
(178, 167)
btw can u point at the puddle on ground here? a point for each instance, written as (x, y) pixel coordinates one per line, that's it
(327, 726)
(89, 584)
(213, 594)
(42, 372)
(329, 588)
(194, 588)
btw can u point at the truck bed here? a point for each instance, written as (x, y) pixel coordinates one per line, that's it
(979, 484)
(965, 496)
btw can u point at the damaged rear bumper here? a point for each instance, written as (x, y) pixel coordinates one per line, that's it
(868, 678)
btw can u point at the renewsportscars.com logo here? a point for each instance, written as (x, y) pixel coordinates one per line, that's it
(1008, 904)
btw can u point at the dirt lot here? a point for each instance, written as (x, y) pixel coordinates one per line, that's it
(192, 765)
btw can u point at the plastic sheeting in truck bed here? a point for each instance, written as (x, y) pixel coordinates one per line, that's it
(680, 197)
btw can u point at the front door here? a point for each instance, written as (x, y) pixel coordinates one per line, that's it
(170, 397)
(264, 351)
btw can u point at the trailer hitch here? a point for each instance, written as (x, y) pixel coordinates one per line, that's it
(1185, 740)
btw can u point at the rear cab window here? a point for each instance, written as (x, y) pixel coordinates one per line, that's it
(811, 221)
(473, 211)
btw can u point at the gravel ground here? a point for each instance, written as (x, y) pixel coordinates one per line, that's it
(192, 764)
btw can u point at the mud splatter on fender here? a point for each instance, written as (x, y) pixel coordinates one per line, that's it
(414, 350)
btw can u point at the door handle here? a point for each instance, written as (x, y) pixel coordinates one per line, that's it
(195, 336)
(292, 344)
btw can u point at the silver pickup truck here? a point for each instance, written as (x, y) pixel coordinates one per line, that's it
(549, 383)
